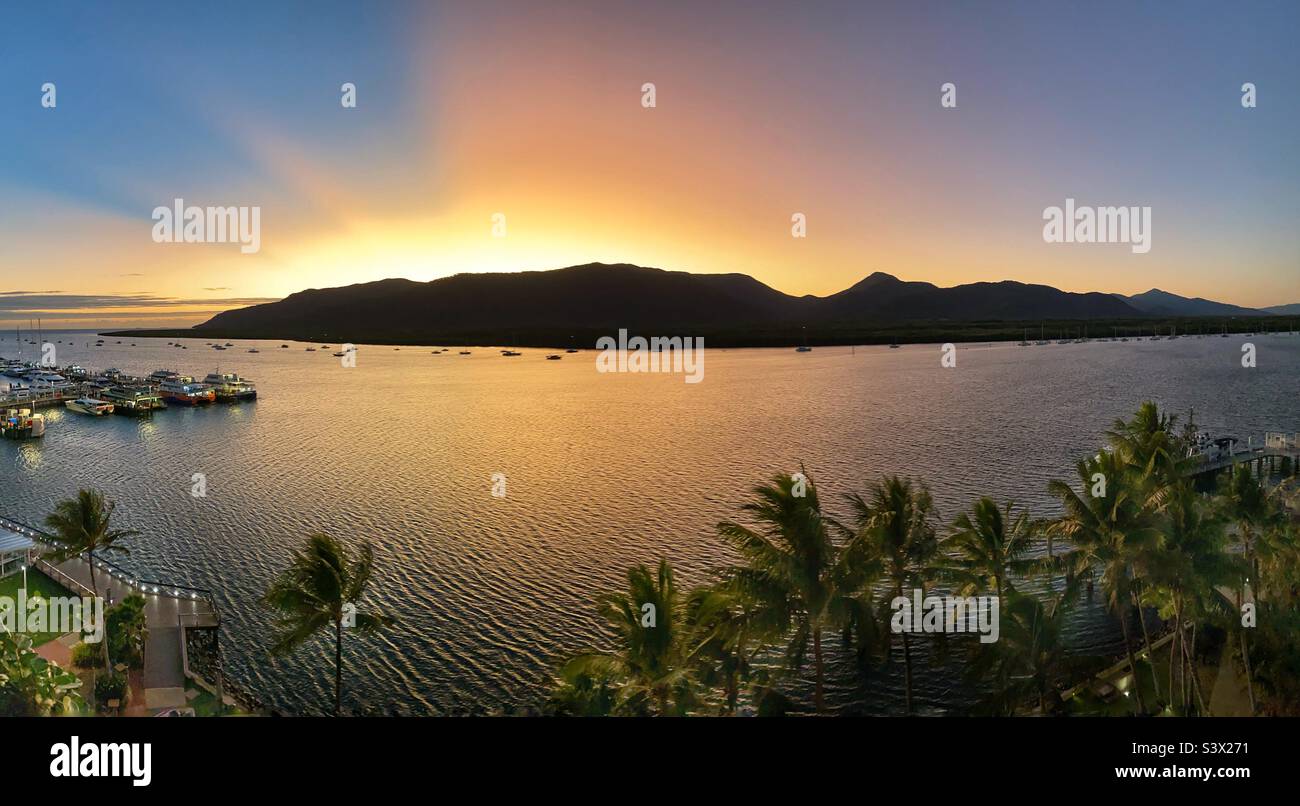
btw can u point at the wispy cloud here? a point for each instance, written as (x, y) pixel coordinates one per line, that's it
(41, 301)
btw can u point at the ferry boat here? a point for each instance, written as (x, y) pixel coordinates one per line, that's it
(230, 388)
(159, 375)
(184, 391)
(91, 406)
(22, 424)
(133, 401)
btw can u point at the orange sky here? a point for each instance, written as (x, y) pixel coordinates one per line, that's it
(463, 115)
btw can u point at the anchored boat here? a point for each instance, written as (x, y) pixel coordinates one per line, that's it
(184, 391)
(133, 401)
(230, 388)
(22, 424)
(90, 406)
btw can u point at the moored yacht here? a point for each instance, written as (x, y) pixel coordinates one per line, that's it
(184, 391)
(133, 401)
(230, 388)
(90, 405)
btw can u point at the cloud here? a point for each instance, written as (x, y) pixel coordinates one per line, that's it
(51, 301)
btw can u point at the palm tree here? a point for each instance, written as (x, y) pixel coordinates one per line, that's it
(1148, 442)
(895, 520)
(1029, 658)
(988, 545)
(322, 586)
(727, 630)
(1244, 502)
(802, 581)
(648, 672)
(1184, 573)
(1109, 530)
(83, 525)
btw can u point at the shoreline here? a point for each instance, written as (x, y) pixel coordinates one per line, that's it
(778, 338)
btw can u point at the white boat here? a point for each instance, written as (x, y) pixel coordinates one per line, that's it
(230, 388)
(184, 391)
(91, 406)
(44, 383)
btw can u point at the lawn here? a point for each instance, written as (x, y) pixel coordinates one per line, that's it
(37, 583)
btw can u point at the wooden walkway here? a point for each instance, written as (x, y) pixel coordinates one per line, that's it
(1246, 455)
(169, 609)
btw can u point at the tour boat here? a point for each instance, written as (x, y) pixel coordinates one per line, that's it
(91, 406)
(133, 401)
(183, 391)
(230, 388)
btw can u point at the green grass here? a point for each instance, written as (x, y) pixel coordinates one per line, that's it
(205, 704)
(37, 583)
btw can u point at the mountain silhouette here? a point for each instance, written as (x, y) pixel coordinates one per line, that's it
(600, 298)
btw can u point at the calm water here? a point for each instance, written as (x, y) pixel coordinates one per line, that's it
(603, 471)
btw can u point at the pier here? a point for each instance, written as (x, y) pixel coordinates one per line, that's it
(1276, 447)
(170, 610)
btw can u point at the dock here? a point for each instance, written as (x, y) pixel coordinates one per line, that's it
(171, 610)
(1275, 448)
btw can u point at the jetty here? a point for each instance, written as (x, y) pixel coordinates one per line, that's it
(173, 613)
(1277, 446)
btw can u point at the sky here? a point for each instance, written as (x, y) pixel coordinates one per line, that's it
(534, 112)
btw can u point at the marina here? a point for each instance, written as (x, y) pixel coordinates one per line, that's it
(31, 388)
(1005, 423)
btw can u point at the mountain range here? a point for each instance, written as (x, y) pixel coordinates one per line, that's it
(579, 303)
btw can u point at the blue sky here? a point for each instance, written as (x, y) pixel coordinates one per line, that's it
(533, 110)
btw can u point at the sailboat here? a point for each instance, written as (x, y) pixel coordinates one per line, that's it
(804, 348)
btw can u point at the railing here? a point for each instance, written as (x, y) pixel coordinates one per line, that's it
(131, 580)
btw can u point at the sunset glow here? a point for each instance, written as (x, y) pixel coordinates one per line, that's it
(538, 117)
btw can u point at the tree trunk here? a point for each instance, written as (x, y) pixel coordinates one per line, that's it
(338, 667)
(1190, 653)
(1245, 659)
(1132, 663)
(1245, 652)
(819, 698)
(1173, 644)
(103, 641)
(907, 675)
(1146, 637)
